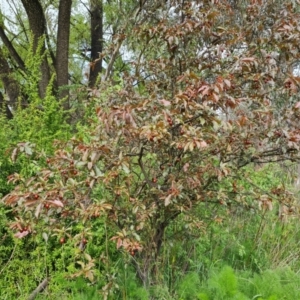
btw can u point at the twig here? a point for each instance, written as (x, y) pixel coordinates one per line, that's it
(39, 289)
(112, 60)
(11, 256)
(149, 182)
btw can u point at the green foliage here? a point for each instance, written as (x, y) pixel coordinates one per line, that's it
(38, 126)
(272, 284)
(33, 60)
(225, 284)
(53, 259)
(14, 285)
(6, 166)
(46, 122)
(189, 286)
(75, 289)
(130, 288)
(160, 291)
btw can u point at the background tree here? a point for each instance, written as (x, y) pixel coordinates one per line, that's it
(37, 23)
(96, 12)
(51, 40)
(10, 84)
(62, 50)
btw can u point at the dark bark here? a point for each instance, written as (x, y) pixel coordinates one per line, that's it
(96, 11)
(10, 83)
(62, 50)
(12, 51)
(4, 108)
(37, 23)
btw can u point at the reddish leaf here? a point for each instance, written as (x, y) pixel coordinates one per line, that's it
(57, 203)
(22, 234)
(165, 102)
(297, 105)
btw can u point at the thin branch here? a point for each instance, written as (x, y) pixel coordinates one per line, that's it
(112, 60)
(89, 11)
(18, 17)
(11, 256)
(48, 42)
(149, 182)
(14, 54)
(39, 289)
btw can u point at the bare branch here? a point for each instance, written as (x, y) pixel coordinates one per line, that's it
(39, 289)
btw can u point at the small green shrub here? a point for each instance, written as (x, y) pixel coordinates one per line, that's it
(189, 286)
(272, 284)
(223, 285)
(130, 287)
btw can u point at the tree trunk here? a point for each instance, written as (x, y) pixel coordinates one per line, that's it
(96, 40)
(10, 84)
(146, 263)
(4, 108)
(37, 23)
(62, 50)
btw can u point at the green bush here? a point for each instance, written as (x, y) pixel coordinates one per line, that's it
(272, 284)
(189, 286)
(225, 284)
